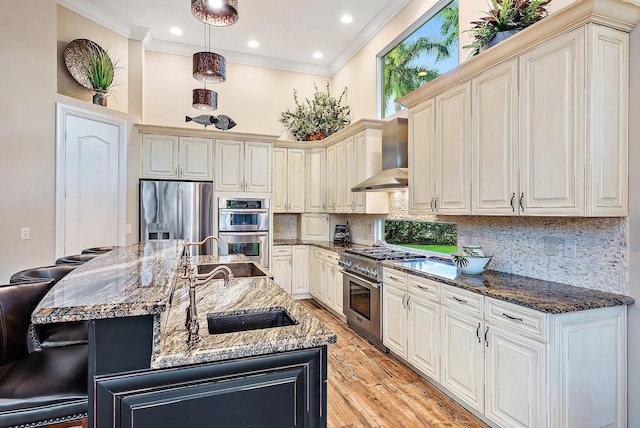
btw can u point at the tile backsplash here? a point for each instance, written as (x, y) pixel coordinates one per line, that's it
(518, 243)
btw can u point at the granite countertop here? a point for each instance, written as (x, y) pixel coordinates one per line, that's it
(241, 295)
(544, 296)
(327, 245)
(145, 279)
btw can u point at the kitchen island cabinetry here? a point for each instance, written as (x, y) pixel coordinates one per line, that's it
(172, 157)
(548, 124)
(243, 166)
(288, 180)
(142, 371)
(518, 366)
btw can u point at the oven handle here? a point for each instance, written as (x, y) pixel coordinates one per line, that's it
(244, 211)
(369, 283)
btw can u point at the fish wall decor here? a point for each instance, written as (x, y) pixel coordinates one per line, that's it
(221, 122)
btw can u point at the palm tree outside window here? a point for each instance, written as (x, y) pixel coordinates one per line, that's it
(425, 54)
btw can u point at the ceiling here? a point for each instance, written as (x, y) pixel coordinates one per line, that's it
(289, 31)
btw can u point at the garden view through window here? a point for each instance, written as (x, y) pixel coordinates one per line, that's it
(424, 55)
(422, 235)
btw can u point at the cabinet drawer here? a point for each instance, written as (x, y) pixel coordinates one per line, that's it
(424, 288)
(394, 278)
(466, 301)
(524, 321)
(281, 250)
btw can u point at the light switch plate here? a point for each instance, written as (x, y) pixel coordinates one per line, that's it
(551, 246)
(569, 245)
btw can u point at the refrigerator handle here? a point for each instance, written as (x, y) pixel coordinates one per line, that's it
(179, 216)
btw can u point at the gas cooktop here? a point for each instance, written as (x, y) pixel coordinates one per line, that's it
(385, 253)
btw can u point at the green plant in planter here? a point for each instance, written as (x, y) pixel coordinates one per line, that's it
(317, 118)
(100, 72)
(505, 15)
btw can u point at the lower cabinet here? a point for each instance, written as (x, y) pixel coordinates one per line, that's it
(517, 366)
(291, 269)
(326, 281)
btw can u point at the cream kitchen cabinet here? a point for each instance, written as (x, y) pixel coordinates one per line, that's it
(439, 133)
(332, 178)
(394, 311)
(337, 177)
(314, 227)
(315, 181)
(178, 158)
(288, 194)
(243, 166)
(327, 280)
(291, 269)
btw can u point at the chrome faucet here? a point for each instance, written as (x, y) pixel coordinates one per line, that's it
(196, 279)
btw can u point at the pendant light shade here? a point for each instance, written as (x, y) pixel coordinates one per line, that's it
(205, 99)
(219, 13)
(209, 67)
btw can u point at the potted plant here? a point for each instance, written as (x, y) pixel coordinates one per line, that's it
(100, 72)
(505, 18)
(317, 118)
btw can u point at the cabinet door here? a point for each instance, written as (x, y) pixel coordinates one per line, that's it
(229, 165)
(463, 357)
(332, 179)
(394, 320)
(338, 285)
(321, 273)
(281, 270)
(300, 269)
(313, 273)
(295, 192)
(494, 141)
(424, 336)
(607, 181)
(196, 159)
(159, 156)
(279, 199)
(342, 205)
(314, 227)
(316, 181)
(552, 128)
(350, 173)
(452, 145)
(421, 153)
(515, 379)
(257, 167)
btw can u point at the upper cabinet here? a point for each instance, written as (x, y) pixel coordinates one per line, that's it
(176, 158)
(243, 166)
(315, 180)
(534, 126)
(288, 180)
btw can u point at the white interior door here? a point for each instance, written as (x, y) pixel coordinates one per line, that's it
(90, 181)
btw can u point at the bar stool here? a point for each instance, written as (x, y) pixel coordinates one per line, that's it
(76, 259)
(55, 272)
(97, 250)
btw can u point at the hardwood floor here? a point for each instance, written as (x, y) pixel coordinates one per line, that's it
(368, 388)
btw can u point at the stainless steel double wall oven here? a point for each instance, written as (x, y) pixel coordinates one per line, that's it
(243, 228)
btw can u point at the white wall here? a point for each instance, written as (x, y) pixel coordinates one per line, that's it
(27, 134)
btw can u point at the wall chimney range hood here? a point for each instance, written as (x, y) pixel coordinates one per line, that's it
(395, 172)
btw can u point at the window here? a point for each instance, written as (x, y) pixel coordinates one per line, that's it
(426, 53)
(423, 235)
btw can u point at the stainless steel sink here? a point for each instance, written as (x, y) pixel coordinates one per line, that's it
(269, 318)
(239, 269)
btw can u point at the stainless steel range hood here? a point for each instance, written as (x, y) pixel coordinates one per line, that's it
(395, 173)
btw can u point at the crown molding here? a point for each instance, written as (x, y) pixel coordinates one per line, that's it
(96, 15)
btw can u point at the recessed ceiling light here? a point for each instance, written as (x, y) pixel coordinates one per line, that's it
(317, 55)
(253, 44)
(176, 31)
(215, 3)
(346, 19)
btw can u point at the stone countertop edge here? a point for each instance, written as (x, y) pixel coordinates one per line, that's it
(327, 245)
(541, 295)
(241, 295)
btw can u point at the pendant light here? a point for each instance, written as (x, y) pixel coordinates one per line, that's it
(209, 67)
(205, 99)
(219, 13)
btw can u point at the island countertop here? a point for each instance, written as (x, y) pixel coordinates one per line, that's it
(145, 279)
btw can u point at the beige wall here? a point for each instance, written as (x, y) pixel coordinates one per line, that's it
(27, 134)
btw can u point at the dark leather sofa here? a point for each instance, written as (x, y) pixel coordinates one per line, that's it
(42, 387)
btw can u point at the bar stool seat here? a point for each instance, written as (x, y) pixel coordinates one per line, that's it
(76, 259)
(38, 274)
(97, 250)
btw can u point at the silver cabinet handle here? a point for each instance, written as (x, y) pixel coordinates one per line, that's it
(459, 300)
(478, 333)
(394, 278)
(435, 204)
(408, 300)
(512, 318)
(422, 287)
(513, 207)
(485, 336)
(404, 305)
(431, 205)
(521, 198)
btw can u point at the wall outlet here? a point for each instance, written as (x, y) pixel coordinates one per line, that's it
(25, 233)
(570, 247)
(551, 246)
(127, 228)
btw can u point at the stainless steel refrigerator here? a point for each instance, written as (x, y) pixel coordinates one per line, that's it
(177, 210)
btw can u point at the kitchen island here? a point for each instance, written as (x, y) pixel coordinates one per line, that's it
(143, 372)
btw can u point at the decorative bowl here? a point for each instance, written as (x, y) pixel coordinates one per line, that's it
(470, 264)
